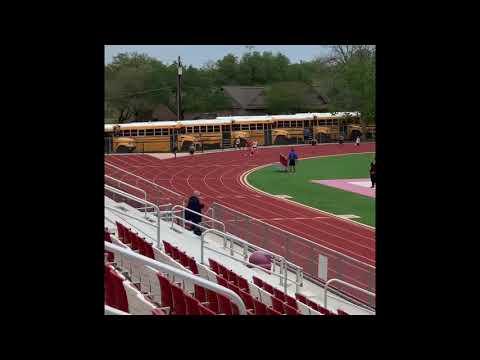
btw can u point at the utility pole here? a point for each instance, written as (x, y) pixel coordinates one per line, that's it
(179, 91)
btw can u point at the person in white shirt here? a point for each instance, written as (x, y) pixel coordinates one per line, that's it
(357, 142)
(237, 143)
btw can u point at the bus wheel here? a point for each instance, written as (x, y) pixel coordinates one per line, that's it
(122, 149)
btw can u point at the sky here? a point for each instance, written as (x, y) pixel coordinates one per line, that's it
(198, 55)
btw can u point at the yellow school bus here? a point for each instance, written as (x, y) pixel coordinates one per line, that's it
(222, 132)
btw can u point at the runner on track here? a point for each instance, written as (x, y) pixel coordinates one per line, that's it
(292, 159)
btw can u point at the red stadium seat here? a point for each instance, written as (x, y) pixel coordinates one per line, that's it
(223, 271)
(193, 305)
(291, 301)
(243, 284)
(271, 311)
(183, 258)
(277, 304)
(280, 295)
(248, 300)
(205, 310)
(200, 293)
(107, 236)
(132, 240)
(212, 300)
(167, 247)
(301, 298)
(289, 310)
(224, 305)
(260, 308)
(257, 281)
(165, 287)
(213, 265)
(268, 288)
(175, 253)
(158, 311)
(341, 312)
(221, 281)
(149, 250)
(121, 232)
(313, 305)
(234, 288)
(192, 264)
(120, 295)
(232, 277)
(179, 301)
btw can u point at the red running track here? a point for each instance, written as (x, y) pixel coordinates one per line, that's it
(217, 177)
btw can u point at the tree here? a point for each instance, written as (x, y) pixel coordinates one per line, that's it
(286, 97)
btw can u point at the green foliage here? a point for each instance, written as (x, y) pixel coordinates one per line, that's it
(136, 83)
(286, 97)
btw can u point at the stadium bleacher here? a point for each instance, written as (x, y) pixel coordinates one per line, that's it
(138, 289)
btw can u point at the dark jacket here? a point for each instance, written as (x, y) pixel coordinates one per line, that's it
(195, 205)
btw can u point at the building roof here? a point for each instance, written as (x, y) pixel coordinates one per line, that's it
(253, 97)
(246, 97)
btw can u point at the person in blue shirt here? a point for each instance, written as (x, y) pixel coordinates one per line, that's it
(292, 159)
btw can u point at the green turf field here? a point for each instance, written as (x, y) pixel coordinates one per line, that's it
(270, 179)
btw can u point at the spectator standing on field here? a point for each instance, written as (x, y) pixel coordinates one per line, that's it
(373, 173)
(194, 205)
(192, 149)
(175, 149)
(340, 140)
(292, 159)
(357, 142)
(237, 143)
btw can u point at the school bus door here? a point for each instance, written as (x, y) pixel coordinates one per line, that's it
(267, 133)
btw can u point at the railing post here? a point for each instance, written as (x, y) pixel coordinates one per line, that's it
(201, 247)
(297, 280)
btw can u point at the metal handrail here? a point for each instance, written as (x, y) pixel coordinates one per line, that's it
(202, 215)
(181, 274)
(148, 181)
(133, 187)
(298, 236)
(283, 262)
(344, 283)
(128, 196)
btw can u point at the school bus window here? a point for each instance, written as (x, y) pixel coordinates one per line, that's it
(141, 132)
(253, 126)
(158, 131)
(216, 128)
(182, 130)
(299, 123)
(133, 133)
(286, 124)
(321, 122)
(126, 132)
(245, 127)
(189, 130)
(165, 132)
(235, 127)
(280, 124)
(210, 128)
(196, 129)
(149, 132)
(203, 129)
